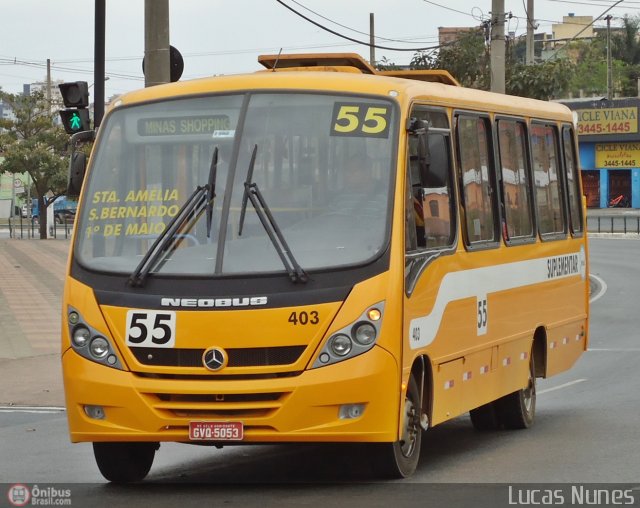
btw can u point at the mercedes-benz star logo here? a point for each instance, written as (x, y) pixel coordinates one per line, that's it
(214, 358)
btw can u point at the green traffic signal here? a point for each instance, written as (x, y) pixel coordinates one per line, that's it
(75, 120)
(75, 123)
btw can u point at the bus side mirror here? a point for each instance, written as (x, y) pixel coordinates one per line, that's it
(77, 168)
(77, 162)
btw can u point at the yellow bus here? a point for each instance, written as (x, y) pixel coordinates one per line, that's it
(319, 252)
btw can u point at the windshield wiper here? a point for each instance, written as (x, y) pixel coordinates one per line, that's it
(201, 197)
(252, 193)
(211, 190)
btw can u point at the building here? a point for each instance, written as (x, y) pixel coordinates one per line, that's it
(41, 86)
(580, 27)
(6, 111)
(450, 34)
(609, 142)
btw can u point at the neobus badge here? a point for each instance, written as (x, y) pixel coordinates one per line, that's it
(246, 301)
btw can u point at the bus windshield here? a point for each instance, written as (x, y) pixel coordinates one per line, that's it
(323, 166)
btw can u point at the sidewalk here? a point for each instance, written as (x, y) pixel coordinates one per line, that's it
(31, 283)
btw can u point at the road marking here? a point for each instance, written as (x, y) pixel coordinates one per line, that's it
(619, 350)
(570, 383)
(31, 409)
(603, 288)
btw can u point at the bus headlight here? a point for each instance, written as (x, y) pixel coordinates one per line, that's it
(90, 343)
(354, 339)
(364, 334)
(99, 347)
(340, 344)
(81, 336)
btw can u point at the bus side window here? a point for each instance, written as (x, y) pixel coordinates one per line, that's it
(549, 197)
(572, 180)
(430, 202)
(516, 183)
(477, 177)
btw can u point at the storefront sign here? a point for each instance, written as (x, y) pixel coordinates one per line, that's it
(607, 121)
(617, 155)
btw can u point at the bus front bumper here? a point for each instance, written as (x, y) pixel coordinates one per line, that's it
(303, 408)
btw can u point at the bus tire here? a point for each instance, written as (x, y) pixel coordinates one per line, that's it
(485, 417)
(517, 410)
(124, 462)
(400, 459)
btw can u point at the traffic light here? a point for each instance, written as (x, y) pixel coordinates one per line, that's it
(75, 96)
(75, 120)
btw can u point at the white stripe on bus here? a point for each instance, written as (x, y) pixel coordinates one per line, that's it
(484, 281)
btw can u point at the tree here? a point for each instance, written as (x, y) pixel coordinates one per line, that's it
(545, 80)
(625, 47)
(467, 59)
(33, 144)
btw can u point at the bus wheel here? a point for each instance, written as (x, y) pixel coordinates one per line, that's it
(485, 417)
(400, 459)
(124, 462)
(517, 410)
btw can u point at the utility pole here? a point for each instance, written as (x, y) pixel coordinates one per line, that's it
(497, 46)
(530, 29)
(98, 66)
(609, 65)
(49, 84)
(156, 42)
(372, 49)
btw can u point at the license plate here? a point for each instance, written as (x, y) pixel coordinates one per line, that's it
(216, 431)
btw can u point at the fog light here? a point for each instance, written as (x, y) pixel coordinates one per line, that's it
(351, 411)
(74, 317)
(99, 347)
(340, 345)
(95, 412)
(81, 336)
(364, 334)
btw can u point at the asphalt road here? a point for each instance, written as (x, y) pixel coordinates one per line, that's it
(586, 431)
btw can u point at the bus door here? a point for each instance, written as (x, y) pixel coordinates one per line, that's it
(430, 225)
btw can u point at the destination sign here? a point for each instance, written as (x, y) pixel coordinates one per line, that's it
(183, 125)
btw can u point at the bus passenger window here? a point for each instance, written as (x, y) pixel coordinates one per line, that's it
(575, 201)
(546, 172)
(431, 203)
(516, 183)
(476, 175)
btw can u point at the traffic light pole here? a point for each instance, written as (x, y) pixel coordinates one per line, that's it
(98, 70)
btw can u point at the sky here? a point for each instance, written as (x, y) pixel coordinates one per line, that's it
(226, 36)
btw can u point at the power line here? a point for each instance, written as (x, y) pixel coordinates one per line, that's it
(449, 8)
(587, 26)
(405, 41)
(327, 29)
(594, 4)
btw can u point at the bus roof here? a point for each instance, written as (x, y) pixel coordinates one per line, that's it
(348, 72)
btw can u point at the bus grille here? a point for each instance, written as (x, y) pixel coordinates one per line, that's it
(218, 405)
(238, 357)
